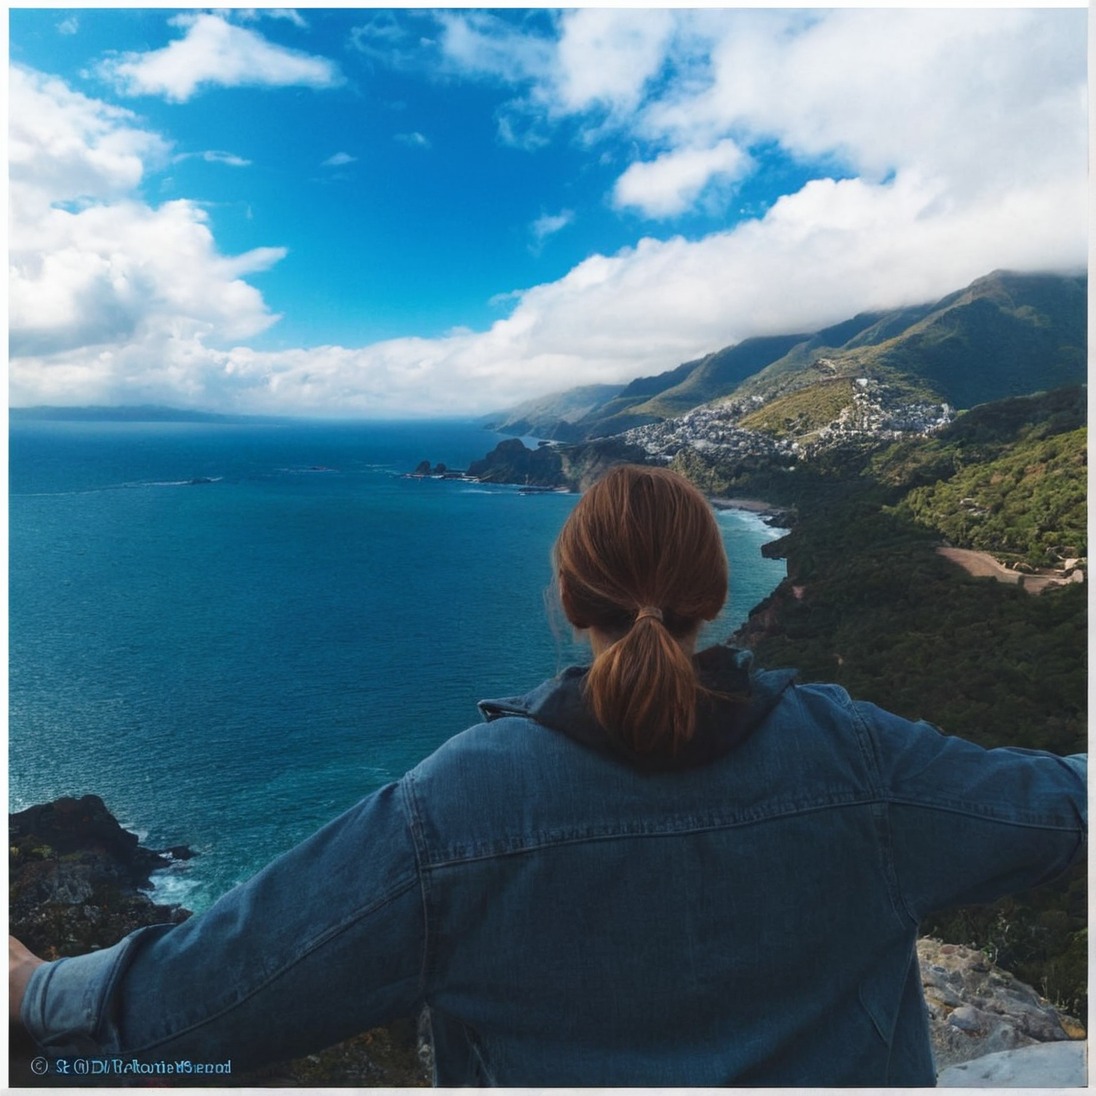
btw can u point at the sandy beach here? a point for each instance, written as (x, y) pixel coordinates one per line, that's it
(756, 506)
(740, 504)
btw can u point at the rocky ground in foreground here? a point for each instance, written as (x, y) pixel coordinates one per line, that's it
(975, 1008)
(78, 882)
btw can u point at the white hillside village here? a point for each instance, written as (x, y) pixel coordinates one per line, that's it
(714, 429)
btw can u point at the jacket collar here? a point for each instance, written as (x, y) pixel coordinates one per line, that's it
(724, 721)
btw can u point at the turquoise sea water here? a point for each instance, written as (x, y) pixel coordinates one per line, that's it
(231, 663)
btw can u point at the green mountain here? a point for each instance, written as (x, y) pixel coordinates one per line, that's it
(689, 385)
(628, 407)
(1003, 335)
(714, 375)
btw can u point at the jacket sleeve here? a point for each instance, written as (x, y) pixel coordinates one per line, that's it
(326, 941)
(967, 825)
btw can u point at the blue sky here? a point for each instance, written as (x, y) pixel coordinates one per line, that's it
(406, 211)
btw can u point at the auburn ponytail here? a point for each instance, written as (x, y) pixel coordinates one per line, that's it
(643, 690)
(641, 560)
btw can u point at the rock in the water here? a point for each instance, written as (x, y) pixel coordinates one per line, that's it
(574, 467)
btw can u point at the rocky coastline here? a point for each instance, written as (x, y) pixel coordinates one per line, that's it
(573, 468)
(778, 517)
(79, 881)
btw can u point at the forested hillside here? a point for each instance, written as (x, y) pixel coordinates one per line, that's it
(1014, 488)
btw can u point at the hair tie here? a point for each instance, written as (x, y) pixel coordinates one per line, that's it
(649, 611)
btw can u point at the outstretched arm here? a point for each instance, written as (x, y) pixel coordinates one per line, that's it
(967, 824)
(325, 942)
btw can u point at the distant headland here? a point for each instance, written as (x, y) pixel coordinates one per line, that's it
(547, 467)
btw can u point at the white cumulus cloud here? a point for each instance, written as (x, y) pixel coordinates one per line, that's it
(99, 282)
(671, 183)
(214, 156)
(63, 146)
(979, 99)
(487, 45)
(413, 140)
(215, 52)
(290, 15)
(606, 56)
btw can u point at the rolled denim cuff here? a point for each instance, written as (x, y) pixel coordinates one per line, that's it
(63, 1007)
(1079, 764)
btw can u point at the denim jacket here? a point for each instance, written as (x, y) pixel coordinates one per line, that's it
(571, 918)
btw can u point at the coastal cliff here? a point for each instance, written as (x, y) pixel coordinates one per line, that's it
(79, 882)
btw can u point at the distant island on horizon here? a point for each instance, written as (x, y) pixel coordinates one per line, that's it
(135, 413)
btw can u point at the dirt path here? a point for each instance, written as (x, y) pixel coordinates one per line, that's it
(983, 565)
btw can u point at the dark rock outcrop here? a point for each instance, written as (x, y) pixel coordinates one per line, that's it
(570, 467)
(584, 465)
(78, 879)
(511, 462)
(425, 468)
(766, 619)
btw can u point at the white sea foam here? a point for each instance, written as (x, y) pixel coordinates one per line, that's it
(752, 519)
(173, 886)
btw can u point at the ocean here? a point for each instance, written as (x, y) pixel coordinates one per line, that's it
(233, 631)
